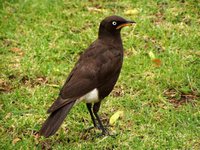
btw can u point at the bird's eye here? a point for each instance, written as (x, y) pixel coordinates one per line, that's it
(114, 23)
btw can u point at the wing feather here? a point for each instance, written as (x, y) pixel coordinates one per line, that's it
(91, 71)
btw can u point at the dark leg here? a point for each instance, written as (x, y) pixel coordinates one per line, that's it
(89, 107)
(95, 110)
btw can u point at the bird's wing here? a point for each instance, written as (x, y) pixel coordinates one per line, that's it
(88, 74)
(81, 80)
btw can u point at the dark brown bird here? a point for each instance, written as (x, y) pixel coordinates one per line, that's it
(92, 78)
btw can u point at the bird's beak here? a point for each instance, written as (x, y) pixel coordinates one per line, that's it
(127, 23)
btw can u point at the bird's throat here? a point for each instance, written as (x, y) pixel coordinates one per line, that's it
(109, 36)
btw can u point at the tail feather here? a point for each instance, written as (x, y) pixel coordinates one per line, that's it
(55, 120)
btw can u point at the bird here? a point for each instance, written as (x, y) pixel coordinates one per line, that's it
(92, 78)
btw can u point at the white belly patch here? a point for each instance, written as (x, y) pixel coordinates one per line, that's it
(90, 97)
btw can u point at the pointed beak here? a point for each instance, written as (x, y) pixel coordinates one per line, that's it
(127, 23)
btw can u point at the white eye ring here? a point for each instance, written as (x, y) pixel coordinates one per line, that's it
(114, 23)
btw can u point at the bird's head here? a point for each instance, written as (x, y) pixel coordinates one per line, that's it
(112, 25)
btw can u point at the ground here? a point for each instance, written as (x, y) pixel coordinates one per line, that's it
(158, 89)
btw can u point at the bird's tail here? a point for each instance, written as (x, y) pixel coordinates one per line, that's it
(55, 120)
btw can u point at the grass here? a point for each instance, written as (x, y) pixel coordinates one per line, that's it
(41, 40)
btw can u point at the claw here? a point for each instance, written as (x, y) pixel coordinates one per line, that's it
(88, 129)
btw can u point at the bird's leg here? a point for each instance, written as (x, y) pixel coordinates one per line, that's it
(95, 111)
(89, 107)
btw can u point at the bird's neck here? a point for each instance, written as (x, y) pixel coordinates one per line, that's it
(114, 37)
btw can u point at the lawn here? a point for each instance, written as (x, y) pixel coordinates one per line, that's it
(158, 89)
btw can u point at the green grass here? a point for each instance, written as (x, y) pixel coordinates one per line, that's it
(41, 40)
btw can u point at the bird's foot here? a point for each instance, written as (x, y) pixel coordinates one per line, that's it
(93, 127)
(97, 127)
(88, 129)
(104, 132)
